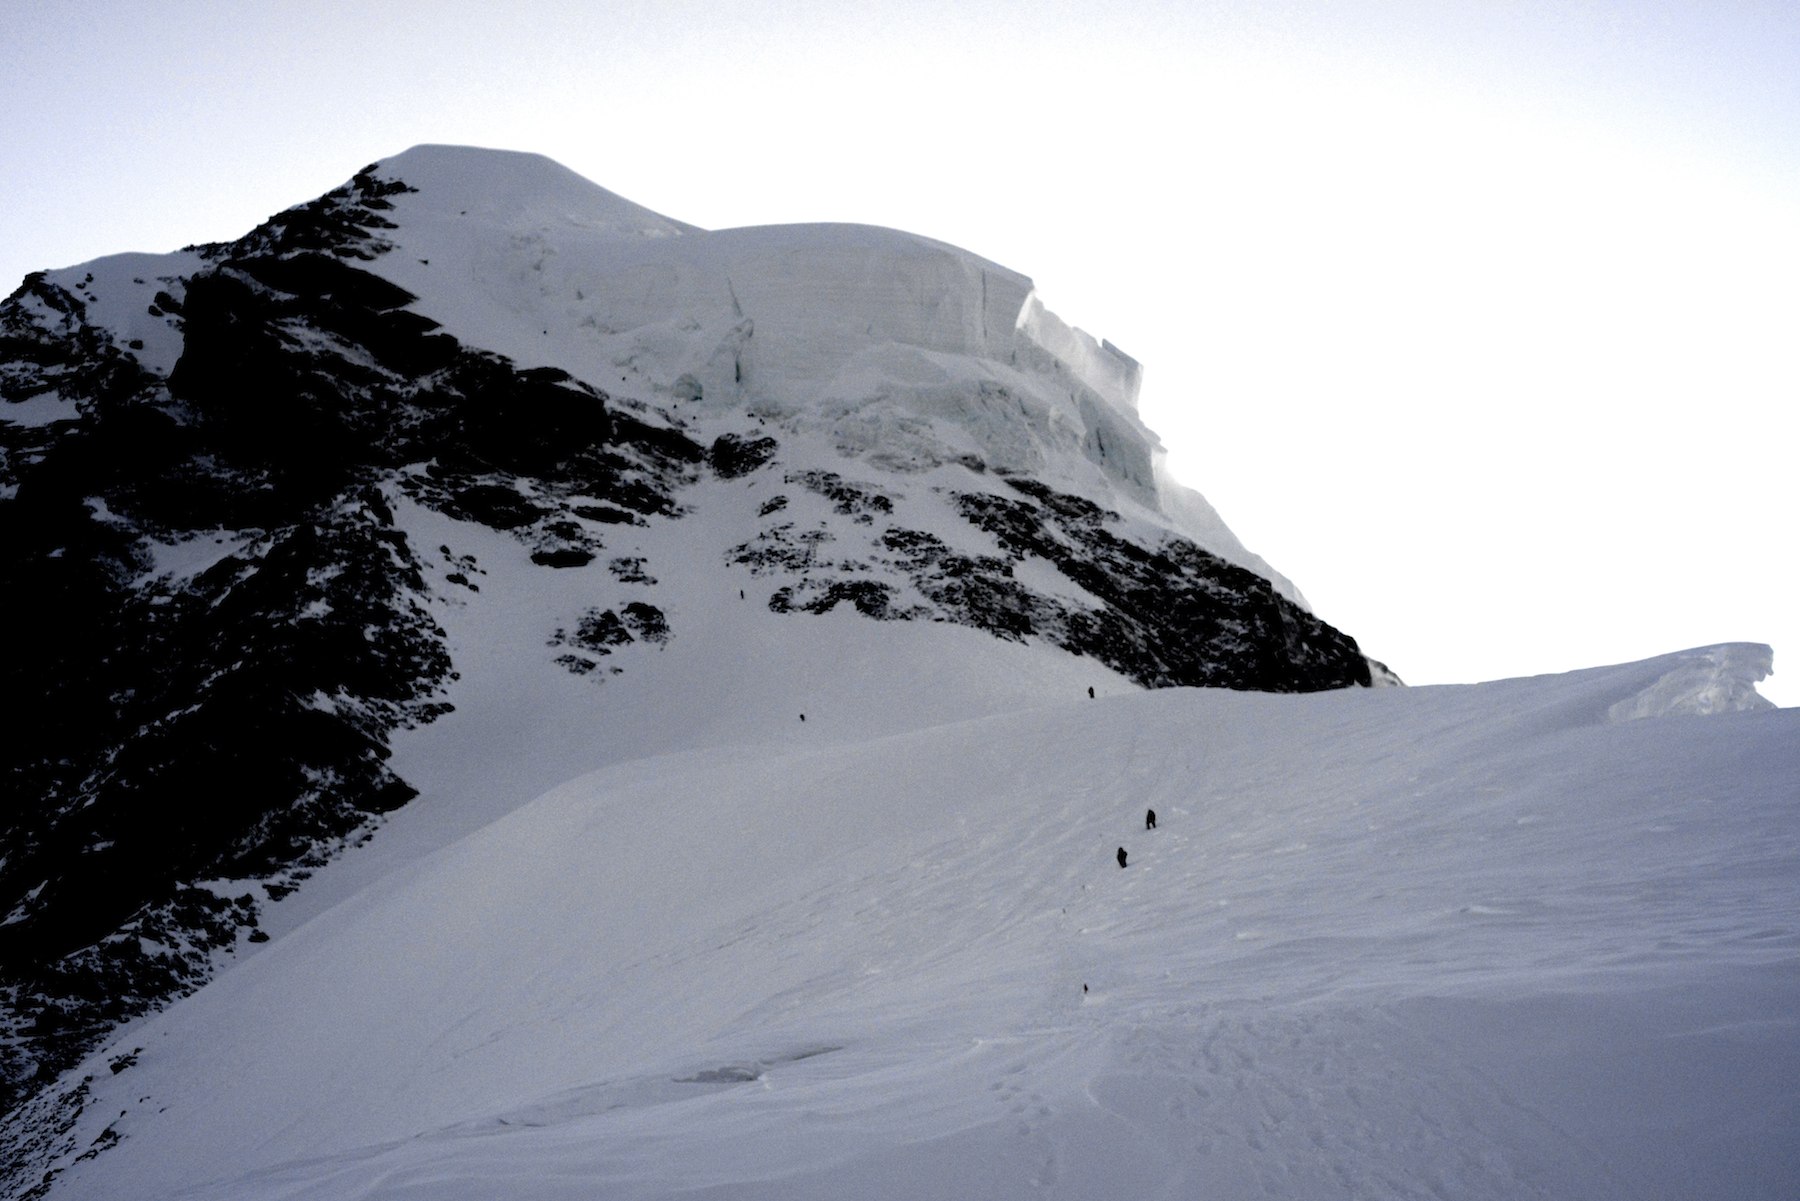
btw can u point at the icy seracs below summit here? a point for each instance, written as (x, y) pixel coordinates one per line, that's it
(906, 351)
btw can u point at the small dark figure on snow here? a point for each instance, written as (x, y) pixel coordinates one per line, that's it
(1090, 692)
(1121, 856)
(1150, 820)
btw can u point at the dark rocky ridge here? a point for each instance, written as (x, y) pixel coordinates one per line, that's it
(1167, 614)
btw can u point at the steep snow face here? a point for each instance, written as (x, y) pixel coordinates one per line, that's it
(1476, 941)
(904, 350)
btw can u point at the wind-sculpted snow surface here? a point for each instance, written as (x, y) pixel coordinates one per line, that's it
(1475, 942)
(1719, 679)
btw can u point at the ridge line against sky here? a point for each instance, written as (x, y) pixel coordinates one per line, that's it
(1474, 320)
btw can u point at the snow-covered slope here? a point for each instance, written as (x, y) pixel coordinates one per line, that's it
(1483, 942)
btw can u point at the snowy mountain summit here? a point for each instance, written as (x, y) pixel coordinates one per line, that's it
(527, 691)
(471, 429)
(905, 353)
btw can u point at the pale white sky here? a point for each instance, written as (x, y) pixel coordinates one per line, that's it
(1478, 320)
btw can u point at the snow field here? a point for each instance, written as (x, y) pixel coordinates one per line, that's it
(1472, 942)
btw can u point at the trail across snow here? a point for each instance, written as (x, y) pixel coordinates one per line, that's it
(1473, 942)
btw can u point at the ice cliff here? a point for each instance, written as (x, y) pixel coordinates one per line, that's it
(904, 350)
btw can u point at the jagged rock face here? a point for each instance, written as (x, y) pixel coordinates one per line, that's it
(1169, 614)
(226, 624)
